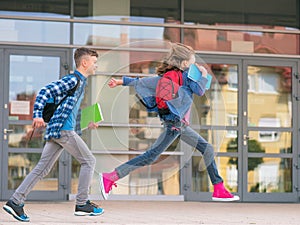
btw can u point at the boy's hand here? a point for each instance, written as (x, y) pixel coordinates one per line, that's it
(93, 125)
(114, 82)
(203, 70)
(38, 122)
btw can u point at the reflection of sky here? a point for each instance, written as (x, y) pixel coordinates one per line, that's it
(83, 31)
(34, 14)
(59, 32)
(29, 74)
(34, 31)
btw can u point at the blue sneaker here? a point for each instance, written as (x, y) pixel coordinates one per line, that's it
(89, 209)
(16, 211)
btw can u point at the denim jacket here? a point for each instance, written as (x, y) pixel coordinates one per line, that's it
(146, 89)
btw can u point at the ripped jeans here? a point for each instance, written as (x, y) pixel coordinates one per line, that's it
(173, 130)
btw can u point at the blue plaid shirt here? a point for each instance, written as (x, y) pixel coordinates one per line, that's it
(58, 90)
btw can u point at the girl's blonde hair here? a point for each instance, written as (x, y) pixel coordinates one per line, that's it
(178, 53)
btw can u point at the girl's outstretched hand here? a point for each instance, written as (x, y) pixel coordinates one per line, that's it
(114, 82)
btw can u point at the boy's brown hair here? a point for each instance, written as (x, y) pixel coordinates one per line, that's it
(80, 52)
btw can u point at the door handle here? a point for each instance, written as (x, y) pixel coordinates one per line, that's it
(8, 131)
(246, 137)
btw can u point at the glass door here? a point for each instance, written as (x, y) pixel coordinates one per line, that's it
(247, 115)
(25, 72)
(215, 117)
(269, 131)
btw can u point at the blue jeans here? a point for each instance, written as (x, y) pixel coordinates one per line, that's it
(171, 132)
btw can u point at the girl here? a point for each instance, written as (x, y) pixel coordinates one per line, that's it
(175, 120)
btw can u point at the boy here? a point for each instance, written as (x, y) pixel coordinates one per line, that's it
(60, 134)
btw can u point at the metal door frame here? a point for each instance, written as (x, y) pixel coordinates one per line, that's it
(1, 119)
(242, 128)
(64, 178)
(270, 197)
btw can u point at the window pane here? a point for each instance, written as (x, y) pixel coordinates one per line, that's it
(115, 35)
(270, 88)
(34, 31)
(165, 10)
(267, 175)
(130, 10)
(24, 136)
(219, 104)
(44, 8)
(141, 138)
(230, 144)
(270, 142)
(243, 12)
(227, 169)
(200, 178)
(239, 41)
(102, 10)
(220, 140)
(25, 81)
(160, 178)
(25, 75)
(20, 165)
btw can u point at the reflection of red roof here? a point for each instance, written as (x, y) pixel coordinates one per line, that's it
(210, 40)
(260, 48)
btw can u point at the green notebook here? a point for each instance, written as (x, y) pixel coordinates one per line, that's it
(89, 114)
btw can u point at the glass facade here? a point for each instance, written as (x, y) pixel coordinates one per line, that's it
(206, 26)
(249, 105)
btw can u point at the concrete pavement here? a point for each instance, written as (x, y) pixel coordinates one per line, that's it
(157, 212)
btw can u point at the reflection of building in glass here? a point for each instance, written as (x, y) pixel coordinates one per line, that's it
(268, 87)
(18, 167)
(236, 41)
(269, 100)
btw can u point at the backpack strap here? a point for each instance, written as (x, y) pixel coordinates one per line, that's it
(71, 91)
(180, 83)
